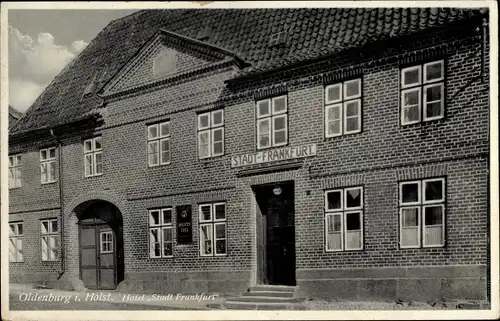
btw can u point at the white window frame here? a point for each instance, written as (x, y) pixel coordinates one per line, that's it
(212, 223)
(108, 242)
(15, 171)
(92, 152)
(49, 234)
(46, 162)
(422, 85)
(160, 227)
(343, 211)
(16, 241)
(421, 205)
(210, 130)
(341, 103)
(270, 117)
(158, 140)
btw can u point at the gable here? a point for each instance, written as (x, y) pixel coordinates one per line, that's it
(162, 57)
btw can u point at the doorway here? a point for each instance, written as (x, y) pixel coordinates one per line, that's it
(276, 233)
(101, 246)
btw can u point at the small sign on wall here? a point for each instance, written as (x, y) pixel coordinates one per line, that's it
(184, 224)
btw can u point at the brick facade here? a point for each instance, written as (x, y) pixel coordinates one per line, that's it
(382, 155)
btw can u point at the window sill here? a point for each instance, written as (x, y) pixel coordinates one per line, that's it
(213, 255)
(159, 165)
(420, 247)
(48, 183)
(327, 138)
(423, 123)
(93, 176)
(261, 149)
(161, 257)
(17, 187)
(344, 251)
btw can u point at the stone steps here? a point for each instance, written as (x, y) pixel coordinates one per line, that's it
(265, 297)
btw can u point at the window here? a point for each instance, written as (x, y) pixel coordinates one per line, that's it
(344, 219)
(272, 123)
(213, 229)
(159, 144)
(211, 134)
(106, 239)
(422, 92)
(160, 233)
(343, 108)
(50, 240)
(92, 149)
(421, 213)
(15, 171)
(15, 242)
(48, 165)
(277, 38)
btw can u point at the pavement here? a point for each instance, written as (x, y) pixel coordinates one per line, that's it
(26, 297)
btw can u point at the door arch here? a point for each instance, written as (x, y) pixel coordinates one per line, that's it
(100, 244)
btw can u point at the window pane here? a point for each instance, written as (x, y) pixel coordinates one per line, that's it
(11, 161)
(204, 143)
(264, 140)
(334, 234)
(220, 211)
(217, 135)
(12, 229)
(98, 163)
(12, 250)
(411, 76)
(53, 226)
(352, 124)
(220, 231)
(410, 217)
(165, 129)
(167, 216)
(353, 198)
(87, 145)
(154, 218)
(333, 112)
(52, 152)
(279, 104)
(52, 171)
(409, 236)
(434, 190)
(263, 108)
(89, 168)
(334, 200)
(279, 123)
(18, 160)
(204, 120)
(154, 240)
(153, 153)
(167, 234)
(333, 93)
(334, 127)
(334, 223)
(19, 229)
(411, 114)
(263, 126)
(351, 108)
(217, 118)
(410, 193)
(45, 227)
(45, 248)
(433, 215)
(206, 239)
(411, 97)
(353, 240)
(97, 143)
(43, 169)
(353, 221)
(165, 151)
(206, 213)
(43, 154)
(352, 88)
(433, 110)
(218, 148)
(280, 137)
(434, 235)
(433, 92)
(434, 71)
(153, 131)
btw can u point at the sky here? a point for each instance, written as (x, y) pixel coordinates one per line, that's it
(43, 42)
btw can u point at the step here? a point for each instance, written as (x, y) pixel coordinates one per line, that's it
(262, 306)
(274, 288)
(281, 294)
(263, 299)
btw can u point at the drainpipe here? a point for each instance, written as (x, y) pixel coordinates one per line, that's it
(483, 53)
(60, 168)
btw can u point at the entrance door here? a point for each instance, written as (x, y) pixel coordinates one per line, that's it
(97, 255)
(277, 206)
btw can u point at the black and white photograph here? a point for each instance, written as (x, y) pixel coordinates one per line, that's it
(249, 160)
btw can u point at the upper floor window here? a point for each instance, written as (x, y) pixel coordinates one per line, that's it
(48, 165)
(50, 239)
(92, 149)
(211, 134)
(15, 241)
(160, 233)
(343, 108)
(212, 229)
(159, 144)
(422, 92)
(344, 219)
(272, 122)
(15, 171)
(422, 208)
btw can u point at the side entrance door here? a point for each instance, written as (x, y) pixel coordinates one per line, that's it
(97, 255)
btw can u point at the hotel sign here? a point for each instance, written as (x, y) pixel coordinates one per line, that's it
(274, 155)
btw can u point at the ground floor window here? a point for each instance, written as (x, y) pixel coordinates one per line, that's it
(212, 236)
(160, 233)
(50, 239)
(422, 213)
(16, 242)
(344, 219)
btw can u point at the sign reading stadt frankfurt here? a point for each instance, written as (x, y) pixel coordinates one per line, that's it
(274, 155)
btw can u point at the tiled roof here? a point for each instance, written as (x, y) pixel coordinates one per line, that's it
(311, 33)
(14, 115)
